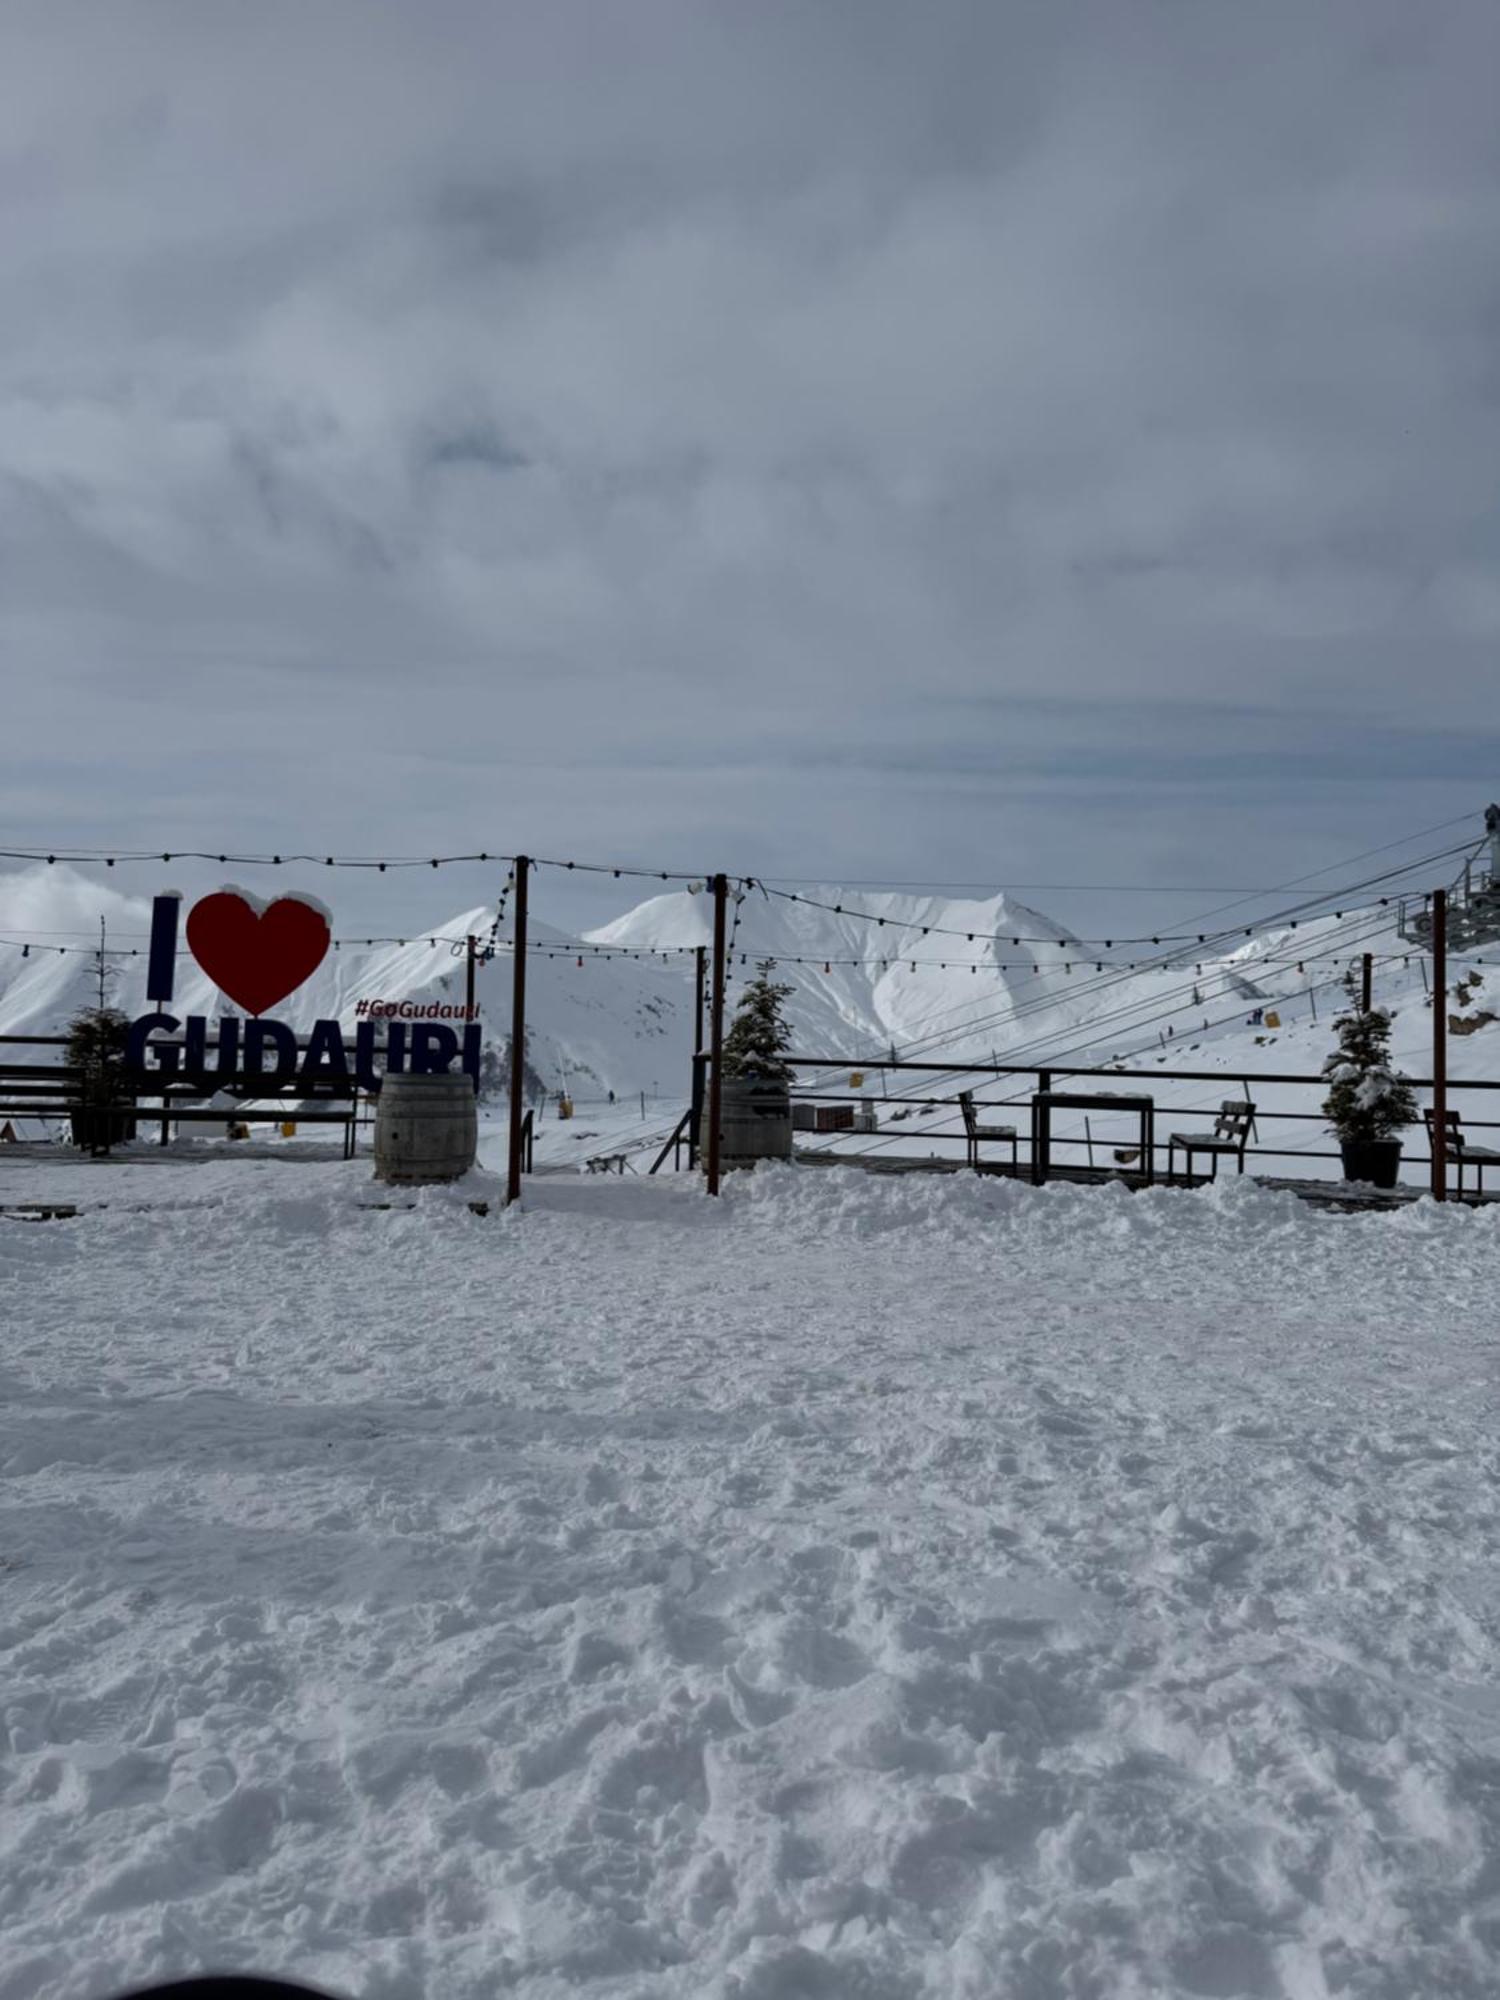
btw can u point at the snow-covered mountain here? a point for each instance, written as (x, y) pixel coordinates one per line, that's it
(621, 1024)
(929, 975)
(937, 978)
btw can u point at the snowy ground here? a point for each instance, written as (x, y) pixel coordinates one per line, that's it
(853, 1588)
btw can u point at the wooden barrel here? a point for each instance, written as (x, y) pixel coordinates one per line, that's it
(426, 1128)
(755, 1123)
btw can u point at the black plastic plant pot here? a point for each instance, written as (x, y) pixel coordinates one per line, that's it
(1375, 1161)
(96, 1127)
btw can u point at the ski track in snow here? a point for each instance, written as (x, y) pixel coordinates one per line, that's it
(854, 1588)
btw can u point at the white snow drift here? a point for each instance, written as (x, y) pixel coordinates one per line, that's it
(859, 1588)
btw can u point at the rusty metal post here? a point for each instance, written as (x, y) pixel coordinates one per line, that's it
(716, 1035)
(1366, 981)
(1440, 1045)
(517, 1032)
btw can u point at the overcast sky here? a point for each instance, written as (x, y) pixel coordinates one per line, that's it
(987, 442)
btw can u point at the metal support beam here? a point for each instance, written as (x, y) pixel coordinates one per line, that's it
(517, 1032)
(1440, 1045)
(716, 1035)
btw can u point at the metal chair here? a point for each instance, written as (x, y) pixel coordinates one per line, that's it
(1459, 1151)
(1231, 1134)
(974, 1132)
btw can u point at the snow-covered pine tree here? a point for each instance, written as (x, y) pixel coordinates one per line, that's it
(96, 1049)
(758, 1037)
(100, 1088)
(1367, 1100)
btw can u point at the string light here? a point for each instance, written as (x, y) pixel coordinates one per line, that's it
(380, 864)
(92, 859)
(665, 953)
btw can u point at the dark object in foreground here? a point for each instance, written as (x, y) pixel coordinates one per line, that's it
(1375, 1161)
(1457, 1148)
(228, 1986)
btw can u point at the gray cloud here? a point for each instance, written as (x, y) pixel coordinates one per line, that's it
(838, 439)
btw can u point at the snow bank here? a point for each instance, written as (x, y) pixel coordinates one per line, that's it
(853, 1587)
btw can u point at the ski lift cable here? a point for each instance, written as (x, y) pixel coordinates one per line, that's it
(1299, 912)
(1117, 1019)
(901, 926)
(1294, 914)
(1044, 1004)
(1059, 1060)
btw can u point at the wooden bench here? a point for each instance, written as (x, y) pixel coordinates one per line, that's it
(1458, 1151)
(1231, 1134)
(974, 1132)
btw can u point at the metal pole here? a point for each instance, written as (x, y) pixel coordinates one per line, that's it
(517, 1031)
(473, 944)
(1440, 1045)
(695, 1123)
(1366, 981)
(702, 957)
(716, 1035)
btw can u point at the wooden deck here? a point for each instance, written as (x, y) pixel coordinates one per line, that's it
(1332, 1194)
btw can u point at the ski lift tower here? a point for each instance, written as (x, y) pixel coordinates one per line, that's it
(1473, 900)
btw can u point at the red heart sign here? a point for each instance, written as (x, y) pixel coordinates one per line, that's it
(256, 953)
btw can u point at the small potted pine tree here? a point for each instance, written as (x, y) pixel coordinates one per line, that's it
(755, 1111)
(102, 1093)
(1368, 1103)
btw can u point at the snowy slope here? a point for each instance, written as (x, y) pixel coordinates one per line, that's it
(1194, 1012)
(614, 1023)
(903, 986)
(625, 1023)
(916, 1590)
(977, 980)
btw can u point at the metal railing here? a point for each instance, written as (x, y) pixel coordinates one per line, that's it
(1043, 1077)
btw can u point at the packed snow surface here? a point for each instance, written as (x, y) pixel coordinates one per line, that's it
(929, 1587)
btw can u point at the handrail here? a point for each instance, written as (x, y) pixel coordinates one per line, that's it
(1156, 1073)
(678, 1132)
(873, 1066)
(1011, 1103)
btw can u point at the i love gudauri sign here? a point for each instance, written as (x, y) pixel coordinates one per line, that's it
(258, 953)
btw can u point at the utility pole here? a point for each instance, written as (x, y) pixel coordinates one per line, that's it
(701, 954)
(1366, 981)
(1440, 1045)
(473, 944)
(517, 1032)
(101, 965)
(716, 1035)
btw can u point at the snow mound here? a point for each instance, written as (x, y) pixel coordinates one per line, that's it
(849, 1587)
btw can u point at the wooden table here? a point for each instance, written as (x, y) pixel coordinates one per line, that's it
(1046, 1101)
